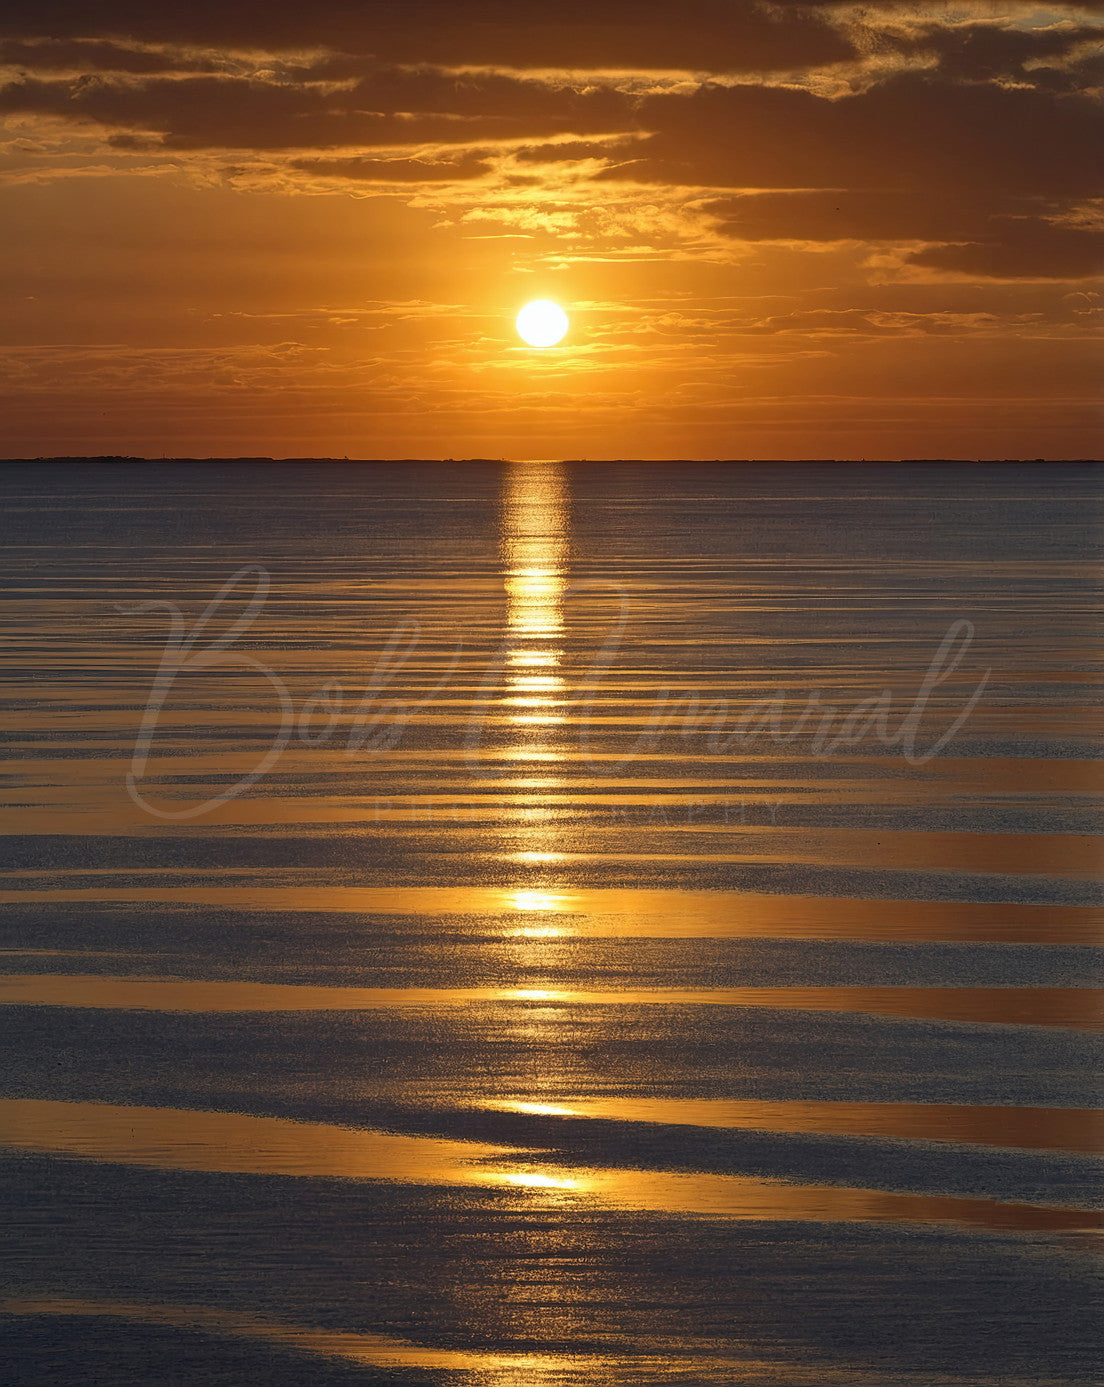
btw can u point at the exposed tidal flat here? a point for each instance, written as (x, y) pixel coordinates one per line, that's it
(551, 923)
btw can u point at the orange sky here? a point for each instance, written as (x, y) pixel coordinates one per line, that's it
(789, 230)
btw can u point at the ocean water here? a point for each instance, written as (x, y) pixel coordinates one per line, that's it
(551, 923)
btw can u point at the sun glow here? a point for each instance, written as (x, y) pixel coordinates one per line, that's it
(542, 323)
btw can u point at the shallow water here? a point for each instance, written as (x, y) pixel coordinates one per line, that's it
(564, 923)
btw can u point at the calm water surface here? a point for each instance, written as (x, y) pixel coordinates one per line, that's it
(506, 924)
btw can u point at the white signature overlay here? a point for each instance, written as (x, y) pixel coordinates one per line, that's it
(374, 724)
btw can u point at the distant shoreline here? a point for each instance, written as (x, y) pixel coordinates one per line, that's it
(571, 462)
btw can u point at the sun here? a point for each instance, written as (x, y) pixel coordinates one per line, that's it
(542, 323)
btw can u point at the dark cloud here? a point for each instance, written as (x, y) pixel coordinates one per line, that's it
(427, 90)
(977, 52)
(982, 157)
(389, 109)
(986, 172)
(717, 35)
(1025, 8)
(1008, 239)
(292, 108)
(854, 215)
(1023, 250)
(196, 110)
(1083, 72)
(911, 133)
(83, 55)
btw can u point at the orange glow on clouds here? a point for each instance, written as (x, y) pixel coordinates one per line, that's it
(227, 231)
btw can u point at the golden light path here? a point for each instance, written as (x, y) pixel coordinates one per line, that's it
(534, 555)
(598, 912)
(534, 547)
(238, 1143)
(1074, 1008)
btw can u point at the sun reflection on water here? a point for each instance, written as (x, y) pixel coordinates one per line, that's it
(537, 900)
(535, 546)
(534, 552)
(526, 1179)
(530, 1109)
